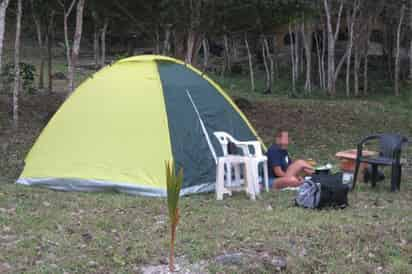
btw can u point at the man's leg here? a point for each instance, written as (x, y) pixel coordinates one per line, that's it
(298, 167)
(291, 178)
(283, 182)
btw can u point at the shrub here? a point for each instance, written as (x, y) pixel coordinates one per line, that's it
(27, 72)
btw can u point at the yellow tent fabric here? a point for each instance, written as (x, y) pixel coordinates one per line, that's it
(94, 134)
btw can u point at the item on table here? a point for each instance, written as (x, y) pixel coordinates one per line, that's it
(325, 169)
(311, 162)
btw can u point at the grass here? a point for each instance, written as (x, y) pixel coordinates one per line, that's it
(43, 231)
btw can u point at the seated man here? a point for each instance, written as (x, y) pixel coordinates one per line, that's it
(282, 171)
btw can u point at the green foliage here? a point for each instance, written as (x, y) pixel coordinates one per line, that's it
(27, 72)
(174, 184)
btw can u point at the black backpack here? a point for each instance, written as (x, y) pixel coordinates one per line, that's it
(323, 191)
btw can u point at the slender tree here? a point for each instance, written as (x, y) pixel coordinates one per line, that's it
(37, 10)
(72, 51)
(292, 41)
(398, 48)
(410, 42)
(17, 65)
(307, 30)
(350, 20)
(332, 37)
(49, 42)
(250, 62)
(3, 8)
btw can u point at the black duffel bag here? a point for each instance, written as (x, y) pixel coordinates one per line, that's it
(323, 191)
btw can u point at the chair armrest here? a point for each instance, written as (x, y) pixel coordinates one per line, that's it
(363, 142)
(245, 145)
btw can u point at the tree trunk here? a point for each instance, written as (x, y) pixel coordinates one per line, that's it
(365, 74)
(96, 50)
(190, 46)
(76, 44)
(37, 24)
(205, 46)
(96, 45)
(103, 42)
(227, 61)
(275, 57)
(3, 8)
(410, 43)
(356, 70)
(157, 41)
(297, 51)
(398, 48)
(366, 58)
(331, 50)
(349, 57)
(266, 65)
(250, 60)
(410, 60)
(17, 66)
(293, 59)
(307, 43)
(50, 40)
(388, 48)
(332, 37)
(271, 63)
(324, 39)
(348, 66)
(319, 57)
(166, 42)
(179, 42)
(67, 42)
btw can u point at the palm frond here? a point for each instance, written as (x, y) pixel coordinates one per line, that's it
(174, 184)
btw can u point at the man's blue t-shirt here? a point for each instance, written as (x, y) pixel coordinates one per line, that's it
(277, 157)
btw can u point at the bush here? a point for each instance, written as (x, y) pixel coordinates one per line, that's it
(27, 72)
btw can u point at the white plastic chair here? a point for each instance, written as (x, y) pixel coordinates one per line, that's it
(255, 158)
(238, 162)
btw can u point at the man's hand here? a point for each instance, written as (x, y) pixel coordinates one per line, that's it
(309, 171)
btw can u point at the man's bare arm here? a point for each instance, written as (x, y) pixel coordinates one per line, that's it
(278, 171)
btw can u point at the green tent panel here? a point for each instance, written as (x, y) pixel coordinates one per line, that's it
(118, 128)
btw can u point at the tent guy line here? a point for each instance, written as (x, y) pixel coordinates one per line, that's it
(202, 124)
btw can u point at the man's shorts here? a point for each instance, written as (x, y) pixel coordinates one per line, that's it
(271, 182)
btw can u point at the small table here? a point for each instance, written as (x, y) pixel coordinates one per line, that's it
(348, 159)
(348, 163)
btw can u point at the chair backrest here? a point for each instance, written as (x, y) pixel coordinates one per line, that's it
(224, 139)
(389, 143)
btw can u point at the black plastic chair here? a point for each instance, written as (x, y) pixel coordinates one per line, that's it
(390, 149)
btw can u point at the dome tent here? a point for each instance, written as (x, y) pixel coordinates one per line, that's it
(118, 128)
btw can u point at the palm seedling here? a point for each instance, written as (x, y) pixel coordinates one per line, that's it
(174, 183)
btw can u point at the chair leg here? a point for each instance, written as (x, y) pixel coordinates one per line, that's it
(266, 176)
(399, 177)
(254, 169)
(374, 175)
(229, 175)
(355, 176)
(249, 184)
(395, 178)
(236, 168)
(220, 179)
